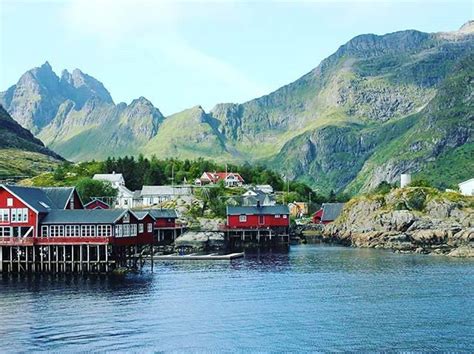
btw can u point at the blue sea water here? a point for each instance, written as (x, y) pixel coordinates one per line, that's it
(313, 298)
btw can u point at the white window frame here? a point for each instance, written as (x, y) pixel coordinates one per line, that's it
(4, 216)
(277, 216)
(141, 228)
(150, 227)
(133, 230)
(285, 216)
(44, 231)
(242, 218)
(9, 202)
(6, 231)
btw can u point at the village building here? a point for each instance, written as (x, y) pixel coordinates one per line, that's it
(165, 225)
(155, 195)
(467, 187)
(39, 231)
(298, 209)
(261, 224)
(265, 188)
(115, 179)
(97, 204)
(328, 213)
(230, 179)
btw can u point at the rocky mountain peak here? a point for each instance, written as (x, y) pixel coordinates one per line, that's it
(468, 27)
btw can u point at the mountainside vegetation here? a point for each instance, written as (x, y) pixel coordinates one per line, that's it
(378, 107)
(20, 152)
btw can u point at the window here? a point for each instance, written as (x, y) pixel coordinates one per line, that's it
(10, 202)
(5, 231)
(126, 218)
(285, 216)
(277, 216)
(56, 230)
(242, 218)
(72, 231)
(140, 228)
(4, 216)
(126, 230)
(133, 230)
(44, 231)
(104, 230)
(118, 231)
(19, 215)
(150, 227)
(87, 230)
(71, 203)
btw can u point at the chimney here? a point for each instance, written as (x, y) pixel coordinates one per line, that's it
(258, 203)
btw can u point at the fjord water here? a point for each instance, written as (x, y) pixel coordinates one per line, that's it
(311, 298)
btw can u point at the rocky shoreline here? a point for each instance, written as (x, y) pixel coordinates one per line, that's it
(410, 220)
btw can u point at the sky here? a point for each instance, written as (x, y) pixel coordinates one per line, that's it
(179, 54)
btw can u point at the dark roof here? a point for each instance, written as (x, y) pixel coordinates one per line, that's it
(142, 214)
(163, 213)
(59, 195)
(34, 197)
(83, 216)
(95, 200)
(331, 211)
(253, 210)
(43, 199)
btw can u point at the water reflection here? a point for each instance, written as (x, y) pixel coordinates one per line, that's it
(311, 298)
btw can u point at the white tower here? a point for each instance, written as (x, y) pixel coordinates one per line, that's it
(405, 179)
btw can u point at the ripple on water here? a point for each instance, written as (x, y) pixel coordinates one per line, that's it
(312, 298)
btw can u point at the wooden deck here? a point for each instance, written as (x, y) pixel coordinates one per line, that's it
(195, 257)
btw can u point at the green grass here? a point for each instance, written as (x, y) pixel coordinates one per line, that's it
(15, 162)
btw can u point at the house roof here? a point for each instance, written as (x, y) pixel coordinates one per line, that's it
(83, 216)
(217, 176)
(36, 198)
(142, 214)
(95, 200)
(111, 177)
(466, 182)
(331, 211)
(163, 213)
(253, 210)
(164, 190)
(59, 195)
(125, 192)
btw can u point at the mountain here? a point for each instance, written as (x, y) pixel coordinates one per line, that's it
(20, 152)
(379, 106)
(75, 114)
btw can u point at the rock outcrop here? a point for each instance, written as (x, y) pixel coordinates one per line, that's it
(420, 220)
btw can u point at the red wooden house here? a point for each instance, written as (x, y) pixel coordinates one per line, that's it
(166, 228)
(33, 216)
(258, 217)
(328, 213)
(97, 204)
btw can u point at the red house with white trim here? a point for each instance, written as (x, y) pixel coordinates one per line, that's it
(258, 217)
(230, 179)
(97, 204)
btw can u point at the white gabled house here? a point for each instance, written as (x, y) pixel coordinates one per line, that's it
(467, 187)
(115, 179)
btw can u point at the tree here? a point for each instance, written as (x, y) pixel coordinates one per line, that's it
(89, 188)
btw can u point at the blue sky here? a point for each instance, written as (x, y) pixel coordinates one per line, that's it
(183, 53)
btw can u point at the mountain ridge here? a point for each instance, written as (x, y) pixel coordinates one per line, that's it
(322, 128)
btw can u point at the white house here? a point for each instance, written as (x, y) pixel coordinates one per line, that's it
(467, 187)
(230, 179)
(116, 179)
(152, 195)
(265, 188)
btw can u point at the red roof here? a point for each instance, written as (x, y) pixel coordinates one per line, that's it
(215, 177)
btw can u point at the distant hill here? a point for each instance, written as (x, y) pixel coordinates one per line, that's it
(379, 106)
(20, 152)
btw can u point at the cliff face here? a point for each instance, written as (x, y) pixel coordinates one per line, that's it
(420, 220)
(76, 116)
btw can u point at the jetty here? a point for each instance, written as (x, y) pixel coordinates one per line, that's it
(197, 257)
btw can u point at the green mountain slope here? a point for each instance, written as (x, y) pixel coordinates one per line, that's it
(20, 152)
(345, 125)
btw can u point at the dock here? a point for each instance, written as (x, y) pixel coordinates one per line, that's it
(196, 257)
